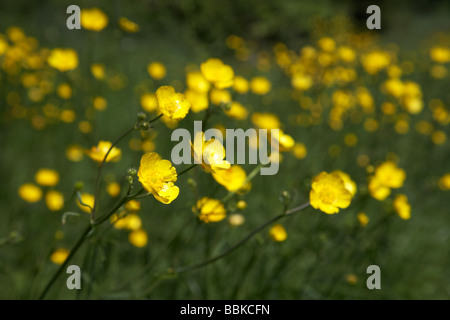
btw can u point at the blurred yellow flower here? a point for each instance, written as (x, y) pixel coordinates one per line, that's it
(64, 91)
(402, 206)
(54, 200)
(390, 175)
(63, 59)
(220, 96)
(157, 177)
(346, 54)
(199, 100)
(128, 25)
(236, 111)
(129, 221)
(197, 82)
(59, 256)
(375, 61)
(100, 103)
(88, 199)
(75, 152)
(363, 219)
(444, 182)
(285, 141)
(440, 54)
(30, 192)
(172, 104)
(218, 73)
(241, 85)
(149, 102)
(113, 189)
(98, 153)
(138, 238)
(301, 81)
(265, 120)
(232, 179)
(241, 205)
(299, 150)
(133, 206)
(46, 177)
(349, 184)
(260, 85)
(329, 193)
(278, 233)
(209, 210)
(210, 154)
(98, 71)
(156, 70)
(236, 219)
(93, 19)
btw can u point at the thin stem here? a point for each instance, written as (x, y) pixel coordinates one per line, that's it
(186, 170)
(244, 240)
(100, 167)
(155, 119)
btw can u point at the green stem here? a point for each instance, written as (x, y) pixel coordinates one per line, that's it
(244, 240)
(186, 170)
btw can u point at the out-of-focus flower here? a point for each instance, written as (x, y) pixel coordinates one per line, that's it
(402, 206)
(349, 184)
(232, 179)
(444, 182)
(98, 71)
(278, 233)
(63, 59)
(156, 70)
(54, 200)
(265, 120)
(220, 96)
(172, 104)
(363, 219)
(46, 177)
(100, 103)
(218, 73)
(59, 256)
(93, 19)
(375, 61)
(387, 176)
(88, 199)
(241, 205)
(260, 85)
(138, 238)
(158, 177)
(199, 100)
(133, 206)
(299, 150)
(346, 54)
(98, 153)
(30, 192)
(210, 154)
(74, 153)
(209, 210)
(130, 221)
(241, 85)
(440, 54)
(149, 102)
(64, 90)
(301, 81)
(127, 25)
(329, 193)
(197, 82)
(236, 219)
(113, 189)
(236, 111)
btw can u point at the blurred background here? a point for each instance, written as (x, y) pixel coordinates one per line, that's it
(324, 256)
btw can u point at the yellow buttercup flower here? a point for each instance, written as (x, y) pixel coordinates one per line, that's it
(88, 199)
(100, 103)
(326, 44)
(285, 141)
(363, 219)
(158, 177)
(197, 82)
(64, 90)
(133, 206)
(63, 59)
(378, 190)
(220, 96)
(128, 25)
(54, 200)
(93, 19)
(278, 233)
(260, 85)
(98, 153)
(199, 100)
(444, 182)
(440, 54)
(301, 81)
(210, 154)
(328, 193)
(138, 238)
(156, 70)
(349, 184)
(402, 206)
(59, 255)
(218, 73)
(375, 61)
(390, 175)
(236, 111)
(172, 104)
(47, 177)
(30, 192)
(236, 219)
(98, 71)
(129, 221)
(265, 120)
(241, 85)
(209, 210)
(232, 179)
(149, 102)
(74, 153)
(113, 189)
(299, 150)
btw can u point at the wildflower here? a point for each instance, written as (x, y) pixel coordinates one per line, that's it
(59, 256)
(236, 220)
(128, 25)
(402, 207)
(88, 199)
(197, 82)
(158, 177)
(199, 100)
(100, 103)
(210, 154)
(149, 102)
(241, 205)
(375, 61)
(209, 210)
(328, 193)
(232, 179)
(98, 71)
(299, 150)
(301, 81)
(346, 54)
(133, 206)
(440, 54)
(93, 19)
(74, 152)
(265, 120)
(260, 85)
(129, 221)
(237, 111)
(444, 182)
(278, 233)
(54, 200)
(63, 59)
(98, 153)
(220, 96)
(241, 85)
(30, 192)
(349, 184)
(218, 73)
(326, 44)
(64, 91)
(363, 219)
(390, 175)
(172, 104)
(47, 177)
(113, 189)
(156, 70)
(138, 238)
